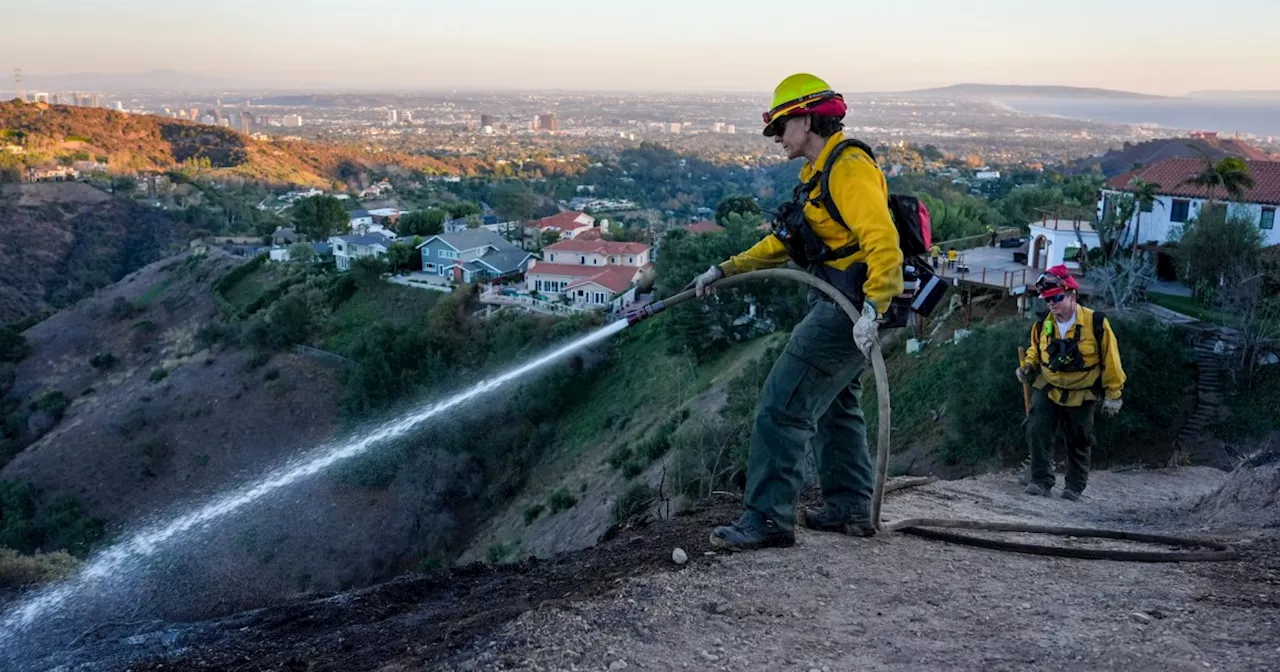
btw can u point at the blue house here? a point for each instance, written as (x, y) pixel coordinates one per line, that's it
(472, 255)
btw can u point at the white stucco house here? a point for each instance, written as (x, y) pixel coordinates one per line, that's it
(1179, 202)
(351, 247)
(1056, 241)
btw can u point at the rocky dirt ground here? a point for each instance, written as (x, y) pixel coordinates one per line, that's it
(894, 602)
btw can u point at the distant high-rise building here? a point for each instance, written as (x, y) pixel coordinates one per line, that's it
(96, 100)
(55, 99)
(119, 106)
(292, 120)
(548, 122)
(486, 120)
(195, 113)
(40, 97)
(674, 127)
(730, 129)
(717, 127)
(393, 116)
(246, 122)
(406, 116)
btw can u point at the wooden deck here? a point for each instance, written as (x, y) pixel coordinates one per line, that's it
(991, 267)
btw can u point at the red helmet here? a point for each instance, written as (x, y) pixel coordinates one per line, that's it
(1055, 281)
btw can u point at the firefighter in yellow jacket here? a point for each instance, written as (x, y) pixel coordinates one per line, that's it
(1073, 363)
(812, 395)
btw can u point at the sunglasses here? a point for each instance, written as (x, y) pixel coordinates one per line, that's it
(1055, 299)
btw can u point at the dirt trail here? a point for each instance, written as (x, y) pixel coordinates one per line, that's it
(894, 602)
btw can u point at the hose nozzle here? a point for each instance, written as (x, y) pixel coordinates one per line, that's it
(636, 316)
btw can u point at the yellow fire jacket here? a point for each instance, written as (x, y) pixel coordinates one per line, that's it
(861, 194)
(1101, 362)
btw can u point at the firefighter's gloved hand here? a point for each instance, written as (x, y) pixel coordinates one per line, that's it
(702, 286)
(1023, 374)
(866, 329)
(1110, 407)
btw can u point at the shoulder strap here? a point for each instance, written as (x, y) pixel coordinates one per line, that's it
(1099, 328)
(824, 192)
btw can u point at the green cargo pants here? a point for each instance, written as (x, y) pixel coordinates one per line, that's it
(813, 393)
(1076, 424)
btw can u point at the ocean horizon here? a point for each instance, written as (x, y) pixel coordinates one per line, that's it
(1258, 117)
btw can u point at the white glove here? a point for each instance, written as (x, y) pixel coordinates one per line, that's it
(1110, 407)
(1023, 375)
(703, 284)
(866, 329)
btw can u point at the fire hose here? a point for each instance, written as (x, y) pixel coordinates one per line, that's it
(1216, 551)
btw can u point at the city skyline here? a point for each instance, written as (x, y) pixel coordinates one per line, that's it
(668, 46)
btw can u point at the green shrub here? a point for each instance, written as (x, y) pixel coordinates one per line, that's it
(158, 374)
(54, 402)
(561, 500)
(498, 553)
(145, 326)
(1252, 414)
(151, 452)
(635, 501)
(271, 374)
(532, 512)
(103, 360)
(34, 521)
(259, 358)
(122, 309)
(13, 345)
(17, 571)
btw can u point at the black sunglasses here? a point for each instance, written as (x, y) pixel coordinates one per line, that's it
(1055, 299)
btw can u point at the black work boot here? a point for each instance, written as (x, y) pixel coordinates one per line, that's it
(751, 531)
(832, 519)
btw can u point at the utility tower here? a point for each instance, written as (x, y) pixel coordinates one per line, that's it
(17, 84)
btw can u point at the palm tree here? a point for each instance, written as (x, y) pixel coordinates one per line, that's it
(1145, 194)
(1231, 174)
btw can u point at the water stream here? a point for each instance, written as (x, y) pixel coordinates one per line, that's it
(102, 575)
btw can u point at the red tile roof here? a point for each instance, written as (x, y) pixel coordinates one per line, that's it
(561, 220)
(705, 226)
(590, 234)
(1172, 173)
(614, 278)
(591, 246)
(572, 270)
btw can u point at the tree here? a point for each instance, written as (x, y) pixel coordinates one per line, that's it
(739, 203)
(368, 271)
(1145, 194)
(514, 200)
(422, 223)
(462, 209)
(400, 257)
(1215, 248)
(1230, 174)
(319, 217)
(301, 252)
(549, 237)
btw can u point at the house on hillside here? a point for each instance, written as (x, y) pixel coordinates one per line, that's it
(1179, 203)
(490, 222)
(590, 273)
(569, 225)
(347, 249)
(284, 235)
(56, 174)
(472, 255)
(360, 220)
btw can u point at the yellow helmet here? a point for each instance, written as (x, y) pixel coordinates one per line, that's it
(799, 92)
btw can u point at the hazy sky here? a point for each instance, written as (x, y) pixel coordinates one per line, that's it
(1155, 46)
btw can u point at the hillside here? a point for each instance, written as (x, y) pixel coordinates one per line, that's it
(132, 142)
(60, 241)
(1117, 161)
